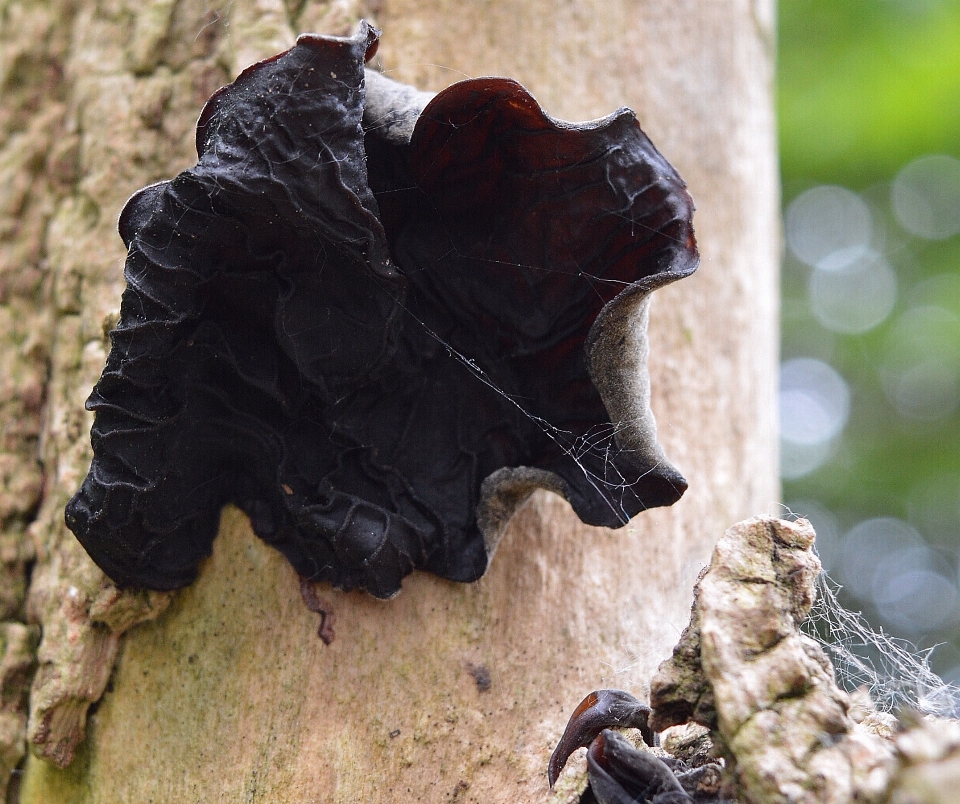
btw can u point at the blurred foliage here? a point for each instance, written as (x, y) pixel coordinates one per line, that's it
(865, 87)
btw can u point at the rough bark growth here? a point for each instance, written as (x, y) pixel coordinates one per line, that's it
(81, 126)
(928, 754)
(18, 645)
(746, 685)
(743, 669)
(37, 165)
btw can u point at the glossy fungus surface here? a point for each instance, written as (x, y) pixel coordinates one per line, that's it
(600, 710)
(377, 346)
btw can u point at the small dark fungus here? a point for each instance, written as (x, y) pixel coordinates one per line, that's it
(600, 710)
(376, 323)
(620, 774)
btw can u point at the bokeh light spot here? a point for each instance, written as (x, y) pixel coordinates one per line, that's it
(914, 598)
(814, 401)
(814, 407)
(926, 197)
(864, 548)
(921, 369)
(855, 297)
(828, 222)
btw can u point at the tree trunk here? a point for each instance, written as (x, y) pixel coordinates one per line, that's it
(447, 691)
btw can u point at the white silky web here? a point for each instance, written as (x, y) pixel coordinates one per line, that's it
(896, 673)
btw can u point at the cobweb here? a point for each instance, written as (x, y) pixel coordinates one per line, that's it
(896, 672)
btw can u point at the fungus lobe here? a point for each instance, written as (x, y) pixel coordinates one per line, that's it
(378, 338)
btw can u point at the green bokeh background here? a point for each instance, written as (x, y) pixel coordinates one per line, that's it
(864, 88)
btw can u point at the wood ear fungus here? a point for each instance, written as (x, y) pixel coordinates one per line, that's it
(377, 329)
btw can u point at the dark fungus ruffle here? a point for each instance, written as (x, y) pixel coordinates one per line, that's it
(377, 348)
(620, 773)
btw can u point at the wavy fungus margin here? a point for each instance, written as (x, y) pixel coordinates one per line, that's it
(378, 328)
